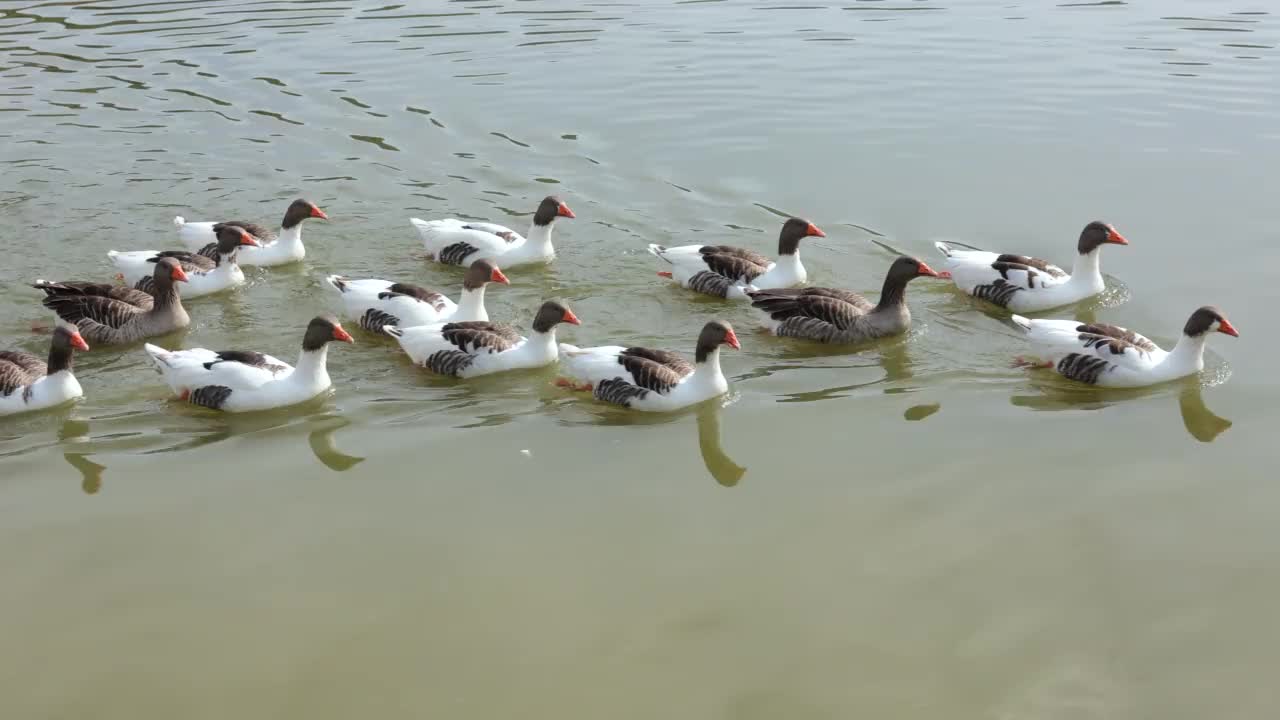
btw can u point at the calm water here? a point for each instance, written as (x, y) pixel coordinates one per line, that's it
(912, 531)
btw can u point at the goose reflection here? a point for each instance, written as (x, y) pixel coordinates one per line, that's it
(74, 431)
(1055, 394)
(324, 447)
(891, 356)
(720, 465)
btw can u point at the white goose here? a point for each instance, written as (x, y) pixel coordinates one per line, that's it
(1028, 284)
(458, 242)
(1110, 356)
(243, 381)
(726, 271)
(471, 349)
(374, 304)
(27, 383)
(276, 249)
(210, 271)
(653, 380)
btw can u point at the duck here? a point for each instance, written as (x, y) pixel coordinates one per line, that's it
(244, 380)
(650, 380)
(830, 315)
(28, 384)
(1116, 357)
(458, 242)
(1028, 284)
(375, 304)
(207, 273)
(106, 320)
(725, 271)
(472, 349)
(273, 248)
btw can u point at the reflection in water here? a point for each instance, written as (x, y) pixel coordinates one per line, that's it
(1200, 422)
(321, 441)
(920, 412)
(721, 466)
(1197, 417)
(90, 471)
(891, 355)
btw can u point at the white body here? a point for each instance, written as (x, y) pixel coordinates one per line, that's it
(536, 350)
(1053, 340)
(1037, 291)
(252, 388)
(488, 241)
(286, 248)
(360, 296)
(595, 365)
(46, 392)
(686, 261)
(134, 266)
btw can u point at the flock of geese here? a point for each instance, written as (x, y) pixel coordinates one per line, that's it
(457, 338)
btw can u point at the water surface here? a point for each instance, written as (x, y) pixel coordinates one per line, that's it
(911, 530)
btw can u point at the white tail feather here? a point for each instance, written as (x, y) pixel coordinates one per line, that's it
(1024, 323)
(179, 221)
(393, 331)
(337, 282)
(943, 248)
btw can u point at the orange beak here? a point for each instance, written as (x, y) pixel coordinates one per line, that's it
(664, 273)
(78, 342)
(731, 339)
(1115, 238)
(498, 277)
(813, 231)
(343, 335)
(247, 239)
(570, 318)
(1226, 328)
(318, 213)
(926, 270)
(179, 275)
(564, 211)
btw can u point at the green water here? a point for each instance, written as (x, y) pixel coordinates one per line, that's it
(912, 530)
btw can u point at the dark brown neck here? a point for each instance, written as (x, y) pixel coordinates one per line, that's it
(59, 357)
(704, 350)
(166, 294)
(894, 291)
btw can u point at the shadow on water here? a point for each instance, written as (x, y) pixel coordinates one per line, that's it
(1057, 395)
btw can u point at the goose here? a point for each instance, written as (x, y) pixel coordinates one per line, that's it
(652, 380)
(27, 383)
(458, 242)
(471, 349)
(1111, 356)
(244, 381)
(206, 273)
(106, 320)
(725, 271)
(1028, 284)
(275, 249)
(374, 304)
(835, 316)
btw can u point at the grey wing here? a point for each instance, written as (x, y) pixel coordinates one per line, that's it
(475, 337)
(190, 262)
(734, 267)
(18, 369)
(750, 256)
(673, 360)
(1098, 334)
(100, 310)
(132, 296)
(648, 373)
(253, 229)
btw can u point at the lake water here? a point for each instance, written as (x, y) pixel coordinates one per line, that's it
(911, 530)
